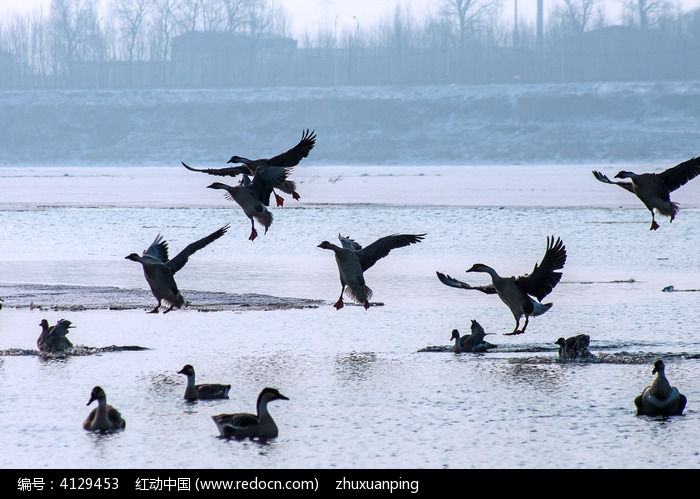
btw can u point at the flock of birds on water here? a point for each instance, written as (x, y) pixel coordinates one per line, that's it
(523, 294)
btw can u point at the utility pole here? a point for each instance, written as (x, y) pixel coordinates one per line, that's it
(540, 25)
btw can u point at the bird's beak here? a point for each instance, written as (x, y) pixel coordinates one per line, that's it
(91, 400)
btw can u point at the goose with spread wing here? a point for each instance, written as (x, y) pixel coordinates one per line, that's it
(253, 196)
(159, 270)
(654, 189)
(289, 158)
(53, 339)
(471, 343)
(574, 347)
(353, 260)
(518, 292)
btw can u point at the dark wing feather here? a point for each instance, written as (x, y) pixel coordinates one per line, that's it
(180, 259)
(380, 248)
(625, 185)
(266, 178)
(293, 156)
(158, 249)
(222, 172)
(680, 174)
(454, 283)
(543, 278)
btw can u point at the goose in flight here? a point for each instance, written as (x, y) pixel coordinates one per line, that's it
(353, 260)
(660, 398)
(159, 270)
(289, 158)
(518, 292)
(253, 196)
(654, 189)
(245, 425)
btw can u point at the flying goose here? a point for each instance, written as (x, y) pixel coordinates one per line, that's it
(517, 292)
(245, 425)
(203, 391)
(104, 417)
(660, 398)
(654, 189)
(353, 260)
(472, 343)
(253, 196)
(159, 270)
(574, 347)
(291, 157)
(53, 338)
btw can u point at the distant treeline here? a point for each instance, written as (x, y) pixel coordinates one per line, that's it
(240, 43)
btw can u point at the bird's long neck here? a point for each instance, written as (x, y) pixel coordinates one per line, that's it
(263, 413)
(101, 416)
(485, 268)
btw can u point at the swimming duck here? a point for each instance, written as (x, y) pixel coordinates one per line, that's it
(291, 157)
(245, 425)
(517, 292)
(203, 391)
(654, 189)
(471, 343)
(574, 347)
(353, 260)
(104, 417)
(53, 338)
(253, 196)
(159, 270)
(660, 398)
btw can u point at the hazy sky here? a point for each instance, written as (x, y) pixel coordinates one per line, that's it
(350, 14)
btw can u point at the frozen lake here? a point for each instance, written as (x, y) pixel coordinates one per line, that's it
(375, 388)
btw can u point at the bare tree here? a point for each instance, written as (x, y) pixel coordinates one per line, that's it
(265, 17)
(644, 13)
(75, 31)
(131, 16)
(577, 14)
(469, 15)
(165, 21)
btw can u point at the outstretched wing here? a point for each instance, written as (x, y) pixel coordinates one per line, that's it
(454, 283)
(180, 260)
(602, 178)
(681, 174)
(61, 328)
(293, 156)
(158, 249)
(380, 248)
(222, 172)
(544, 277)
(348, 243)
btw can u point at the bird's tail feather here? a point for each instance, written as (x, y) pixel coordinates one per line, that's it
(264, 218)
(670, 210)
(539, 308)
(360, 294)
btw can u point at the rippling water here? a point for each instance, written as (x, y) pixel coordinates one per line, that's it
(367, 389)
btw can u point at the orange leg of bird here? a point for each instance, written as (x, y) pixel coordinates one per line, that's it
(654, 225)
(366, 305)
(253, 232)
(515, 330)
(339, 304)
(295, 195)
(279, 199)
